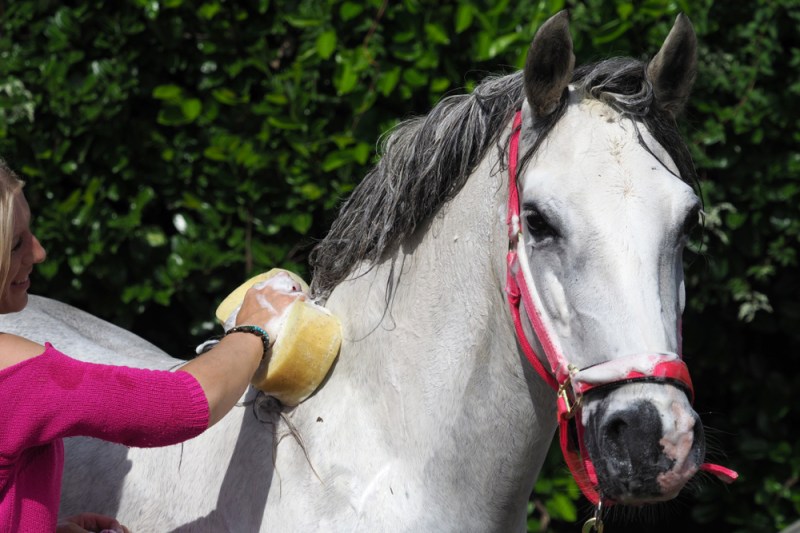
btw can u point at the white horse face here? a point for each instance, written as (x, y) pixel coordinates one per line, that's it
(605, 219)
(604, 226)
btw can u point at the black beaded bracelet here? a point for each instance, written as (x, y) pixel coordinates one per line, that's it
(255, 330)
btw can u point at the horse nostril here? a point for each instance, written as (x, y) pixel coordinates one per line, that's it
(641, 424)
(632, 437)
(615, 429)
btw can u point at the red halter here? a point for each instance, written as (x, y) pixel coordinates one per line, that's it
(569, 382)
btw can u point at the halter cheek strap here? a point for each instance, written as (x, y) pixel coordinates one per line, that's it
(569, 382)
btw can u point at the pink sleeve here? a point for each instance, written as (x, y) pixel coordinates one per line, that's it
(52, 396)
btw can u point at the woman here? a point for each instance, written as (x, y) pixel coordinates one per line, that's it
(46, 395)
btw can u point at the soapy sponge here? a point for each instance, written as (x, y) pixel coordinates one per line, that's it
(306, 345)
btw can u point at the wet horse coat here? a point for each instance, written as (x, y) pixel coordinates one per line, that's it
(432, 418)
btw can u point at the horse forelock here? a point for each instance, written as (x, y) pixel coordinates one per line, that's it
(623, 84)
(427, 160)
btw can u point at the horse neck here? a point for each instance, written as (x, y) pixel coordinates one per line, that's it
(434, 376)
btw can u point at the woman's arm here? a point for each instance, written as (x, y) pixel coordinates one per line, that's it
(49, 396)
(224, 372)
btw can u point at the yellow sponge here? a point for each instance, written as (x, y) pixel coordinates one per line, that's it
(304, 350)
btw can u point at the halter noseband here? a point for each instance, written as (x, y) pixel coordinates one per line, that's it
(568, 381)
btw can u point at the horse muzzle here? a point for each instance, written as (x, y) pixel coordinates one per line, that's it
(644, 440)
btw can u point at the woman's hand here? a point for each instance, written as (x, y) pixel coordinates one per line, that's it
(90, 523)
(265, 303)
(225, 371)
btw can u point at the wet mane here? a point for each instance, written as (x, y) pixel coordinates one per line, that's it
(427, 160)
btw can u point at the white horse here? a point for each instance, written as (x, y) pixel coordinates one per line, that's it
(432, 418)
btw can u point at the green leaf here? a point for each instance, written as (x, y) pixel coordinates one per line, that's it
(562, 508)
(624, 10)
(191, 109)
(155, 237)
(501, 44)
(215, 153)
(226, 96)
(302, 223)
(283, 123)
(326, 44)
(336, 159)
(439, 84)
(361, 152)
(735, 219)
(347, 79)
(311, 191)
(69, 167)
(464, 17)
(276, 98)
(611, 31)
(414, 77)
(167, 92)
(437, 34)
(209, 10)
(350, 10)
(402, 37)
(302, 22)
(388, 81)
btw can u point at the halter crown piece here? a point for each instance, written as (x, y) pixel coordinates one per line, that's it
(569, 382)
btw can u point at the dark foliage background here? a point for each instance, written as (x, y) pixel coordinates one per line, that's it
(173, 148)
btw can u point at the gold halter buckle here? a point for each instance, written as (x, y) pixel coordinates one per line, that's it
(564, 394)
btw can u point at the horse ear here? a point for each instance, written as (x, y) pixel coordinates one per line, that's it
(672, 70)
(548, 67)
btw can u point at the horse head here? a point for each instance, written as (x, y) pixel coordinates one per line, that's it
(605, 212)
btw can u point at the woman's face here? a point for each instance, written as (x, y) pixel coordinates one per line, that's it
(26, 251)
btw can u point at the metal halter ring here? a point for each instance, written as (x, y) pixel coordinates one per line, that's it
(596, 522)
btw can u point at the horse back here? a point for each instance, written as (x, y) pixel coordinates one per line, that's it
(83, 336)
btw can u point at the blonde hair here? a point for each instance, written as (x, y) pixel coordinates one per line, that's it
(10, 185)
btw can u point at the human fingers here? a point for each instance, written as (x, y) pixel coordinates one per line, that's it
(267, 302)
(69, 527)
(270, 317)
(91, 522)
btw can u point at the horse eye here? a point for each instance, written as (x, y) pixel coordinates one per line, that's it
(538, 226)
(691, 222)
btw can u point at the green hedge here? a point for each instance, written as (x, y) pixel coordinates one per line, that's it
(172, 148)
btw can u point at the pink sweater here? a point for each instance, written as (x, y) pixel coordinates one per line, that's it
(52, 396)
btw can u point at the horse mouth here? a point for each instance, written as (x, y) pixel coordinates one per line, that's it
(641, 454)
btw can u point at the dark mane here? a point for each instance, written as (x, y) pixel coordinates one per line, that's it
(427, 160)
